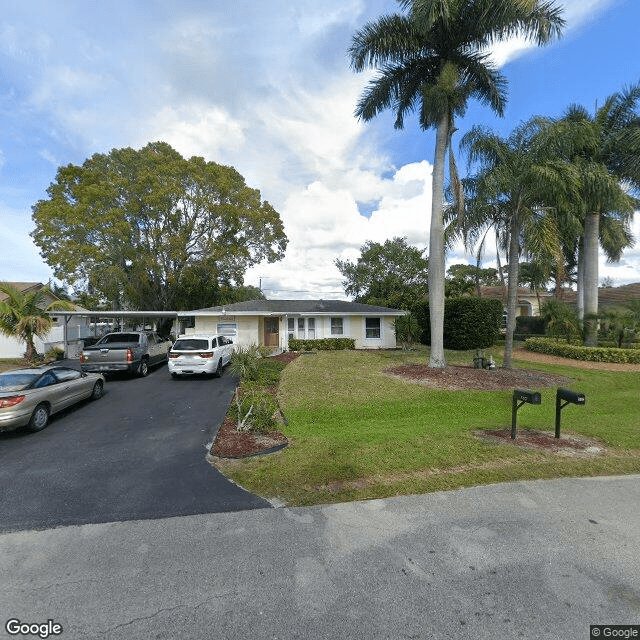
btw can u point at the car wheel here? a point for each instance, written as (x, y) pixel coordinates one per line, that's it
(39, 418)
(98, 388)
(143, 368)
(218, 373)
(175, 376)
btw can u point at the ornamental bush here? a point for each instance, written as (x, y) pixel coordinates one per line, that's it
(578, 352)
(531, 325)
(324, 344)
(469, 322)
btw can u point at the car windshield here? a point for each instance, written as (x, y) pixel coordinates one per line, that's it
(191, 344)
(119, 337)
(16, 381)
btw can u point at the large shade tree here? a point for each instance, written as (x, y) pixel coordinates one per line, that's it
(432, 59)
(150, 229)
(605, 150)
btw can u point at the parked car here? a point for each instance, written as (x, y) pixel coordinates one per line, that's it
(28, 397)
(195, 354)
(133, 351)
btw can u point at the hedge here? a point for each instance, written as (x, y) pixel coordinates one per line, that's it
(533, 325)
(576, 352)
(325, 344)
(469, 322)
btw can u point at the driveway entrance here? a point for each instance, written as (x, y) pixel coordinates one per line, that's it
(137, 453)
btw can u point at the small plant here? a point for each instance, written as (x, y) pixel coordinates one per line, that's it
(254, 409)
(244, 362)
(55, 353)
(562, 320)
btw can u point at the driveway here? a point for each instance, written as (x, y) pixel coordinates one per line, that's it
(137, 453)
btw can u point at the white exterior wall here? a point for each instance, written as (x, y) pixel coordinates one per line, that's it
(14, 348)
(247, 327)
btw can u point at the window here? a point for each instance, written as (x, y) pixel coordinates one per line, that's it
(291, 327)
(64, 375)
(227, 328)
(337, 328)
(300, 327)
(311, 328)
(372, 328)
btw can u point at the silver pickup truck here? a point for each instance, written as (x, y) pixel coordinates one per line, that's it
(133, 351)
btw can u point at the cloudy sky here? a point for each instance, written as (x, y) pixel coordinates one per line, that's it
(267, 88)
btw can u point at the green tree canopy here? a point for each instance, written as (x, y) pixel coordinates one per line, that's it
(150, 229)
(391, 274)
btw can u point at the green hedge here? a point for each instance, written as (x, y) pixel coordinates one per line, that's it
(592, 354)
(469, 322)
(533, 325)
(326, 344)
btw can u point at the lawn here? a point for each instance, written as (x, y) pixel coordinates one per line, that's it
(357, 433)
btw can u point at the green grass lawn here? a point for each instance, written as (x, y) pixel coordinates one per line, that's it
(357, 433)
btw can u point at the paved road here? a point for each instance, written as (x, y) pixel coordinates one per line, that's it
(526, 560)
(138, 452)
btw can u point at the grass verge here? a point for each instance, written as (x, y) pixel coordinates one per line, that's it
(357, 433)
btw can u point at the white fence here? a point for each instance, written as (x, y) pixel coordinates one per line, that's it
(14, 348)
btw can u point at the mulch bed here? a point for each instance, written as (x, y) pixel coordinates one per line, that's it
(231, 443)
(456, 378)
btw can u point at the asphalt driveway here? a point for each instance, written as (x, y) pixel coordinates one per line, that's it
(137, 453)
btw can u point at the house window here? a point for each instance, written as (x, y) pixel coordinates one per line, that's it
(372, 327)
(300, 327)
(337, 328)
(291, 327)
(188, 322)
(227, 328)
(311, 328)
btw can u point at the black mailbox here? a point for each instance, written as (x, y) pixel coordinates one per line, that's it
(523, 396)
(569, 397)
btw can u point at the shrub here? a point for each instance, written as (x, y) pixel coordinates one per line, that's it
(407, 328)
(244, 362)
(324, 344)
(577, 352)
(471, 323)
(562, 320)
(531, 325)
(254, 409)
(55, 353)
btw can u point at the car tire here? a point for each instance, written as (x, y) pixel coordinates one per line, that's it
(143, 368)
(98, 389)
(39, 418)
(218, 371)
(175, 376)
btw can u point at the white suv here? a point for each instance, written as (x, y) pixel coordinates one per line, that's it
(200, 354)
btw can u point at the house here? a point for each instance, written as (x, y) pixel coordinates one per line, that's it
(273, 323)
(528, 301)
(72, 329)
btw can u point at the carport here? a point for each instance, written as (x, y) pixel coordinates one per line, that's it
(114, 319)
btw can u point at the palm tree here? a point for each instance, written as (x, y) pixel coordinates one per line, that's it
(605, 149)
(516, 183)
(23, 315)
(433, 60)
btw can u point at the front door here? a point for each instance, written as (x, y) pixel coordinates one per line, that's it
(271, 338)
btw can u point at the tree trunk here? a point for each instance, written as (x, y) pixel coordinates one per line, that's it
(580, 281)
(591, 243)
(512, 290)
(436, 248)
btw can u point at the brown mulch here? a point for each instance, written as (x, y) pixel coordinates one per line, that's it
(231, 443)
(566, 445)
(456, 378)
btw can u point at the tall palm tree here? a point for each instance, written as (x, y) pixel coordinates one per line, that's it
(23, 315)
(432, 60)
(516, 183)
(605, 149)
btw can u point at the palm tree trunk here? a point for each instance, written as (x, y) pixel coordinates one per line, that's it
(436, 248)
(591, 243)
(512, 290)
(580, 281)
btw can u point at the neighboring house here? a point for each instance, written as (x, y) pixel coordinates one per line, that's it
(610, 296)
(77, 328)
(273, 323)
(528, 301)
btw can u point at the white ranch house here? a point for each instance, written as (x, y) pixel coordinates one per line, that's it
(273, 323)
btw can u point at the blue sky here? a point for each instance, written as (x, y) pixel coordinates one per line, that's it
(265, 87)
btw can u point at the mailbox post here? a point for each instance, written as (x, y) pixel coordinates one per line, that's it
(523, 396)
(569, 397)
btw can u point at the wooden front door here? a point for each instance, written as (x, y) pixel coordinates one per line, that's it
(271, 337)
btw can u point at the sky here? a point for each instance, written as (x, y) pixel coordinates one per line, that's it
(266, 88)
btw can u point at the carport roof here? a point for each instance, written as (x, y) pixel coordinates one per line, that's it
(290, 307)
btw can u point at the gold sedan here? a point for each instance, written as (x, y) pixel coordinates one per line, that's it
(28, 397)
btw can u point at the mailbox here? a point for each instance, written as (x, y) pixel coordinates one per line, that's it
(569, 397)
(523, 397)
